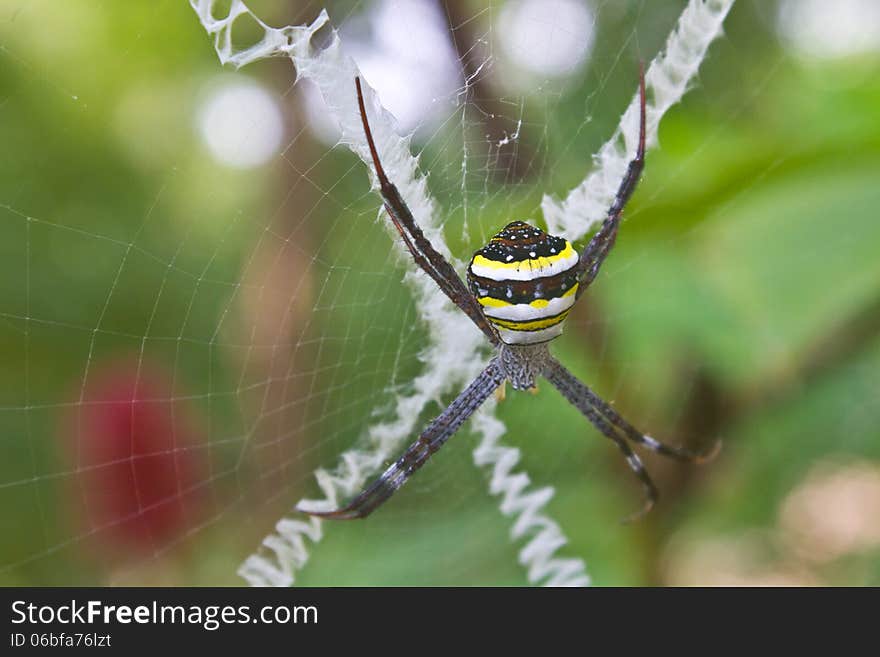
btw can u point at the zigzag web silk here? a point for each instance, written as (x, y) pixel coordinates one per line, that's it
(455, 352)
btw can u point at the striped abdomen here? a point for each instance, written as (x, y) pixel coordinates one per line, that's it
(526, 282)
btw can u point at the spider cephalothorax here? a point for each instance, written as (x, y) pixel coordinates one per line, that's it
(521, 286)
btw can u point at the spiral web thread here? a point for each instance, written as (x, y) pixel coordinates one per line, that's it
(455, 352)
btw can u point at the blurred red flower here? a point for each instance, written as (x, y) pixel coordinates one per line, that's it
(138, 457)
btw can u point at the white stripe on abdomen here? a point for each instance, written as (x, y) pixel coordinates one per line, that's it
(530, 337)
(523, 312)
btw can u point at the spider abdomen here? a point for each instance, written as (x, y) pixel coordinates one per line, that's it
(526, 282)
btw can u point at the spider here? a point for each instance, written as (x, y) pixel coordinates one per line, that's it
(520, 288)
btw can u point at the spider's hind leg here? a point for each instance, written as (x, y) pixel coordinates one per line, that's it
(600, 245)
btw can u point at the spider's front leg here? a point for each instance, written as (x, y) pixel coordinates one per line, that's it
(614, 427)
(597, 250)
(432, 438)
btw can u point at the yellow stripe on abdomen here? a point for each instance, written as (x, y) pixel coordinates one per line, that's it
(525, 267)
(533, 325)
(492, 302)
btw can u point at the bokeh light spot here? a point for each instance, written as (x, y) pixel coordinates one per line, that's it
(825, 30)
(550, 38)
(241, 124)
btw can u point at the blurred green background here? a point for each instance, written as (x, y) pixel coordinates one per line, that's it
(255, 311)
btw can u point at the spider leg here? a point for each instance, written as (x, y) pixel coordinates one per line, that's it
(636, 436)
(576, 393)
(429, 259)
(597, 250)
(432, 439)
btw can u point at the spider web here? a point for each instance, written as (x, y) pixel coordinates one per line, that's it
(286, 337)
(454, 354)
